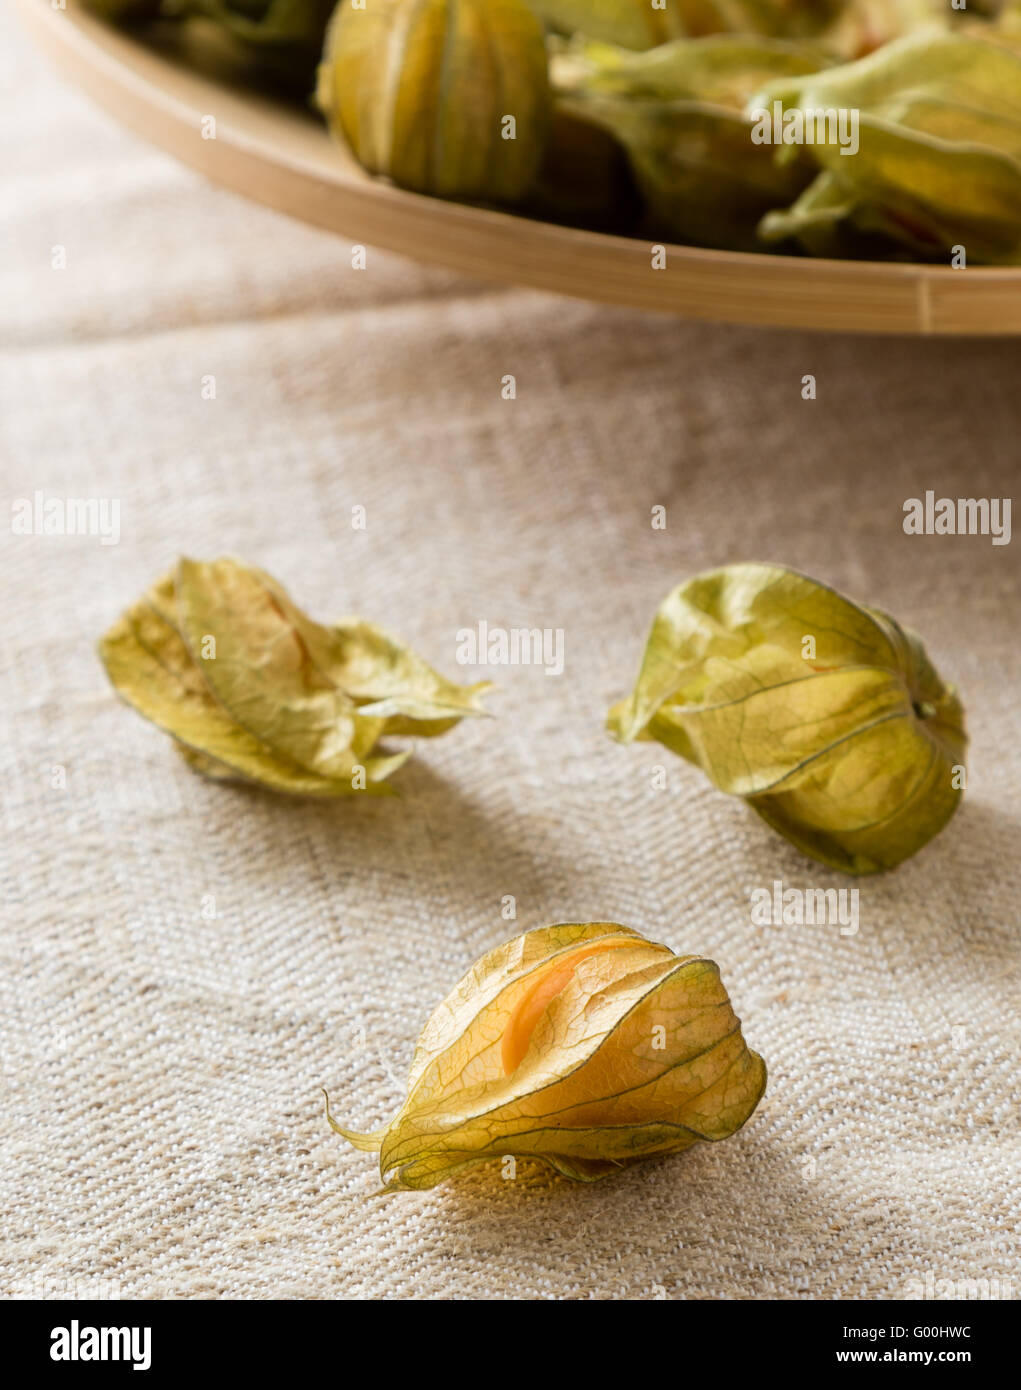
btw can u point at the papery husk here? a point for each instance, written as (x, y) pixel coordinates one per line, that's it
(419, 89)
(678, 111)
(703, 179)
(218, 656)
(327, 688)
(851, 754)
(939, 163)
(152, 669)
(725, 70)
(586, 1089)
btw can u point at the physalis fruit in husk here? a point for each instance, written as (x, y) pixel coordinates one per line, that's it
(939, 160)
(825, 715)
(448, 97)
(583, 1045)
(252, 689)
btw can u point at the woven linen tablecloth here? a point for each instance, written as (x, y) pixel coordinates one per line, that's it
(184, 964)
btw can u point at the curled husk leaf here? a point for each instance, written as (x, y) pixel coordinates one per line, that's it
(939, 158)
(725, 70)
(703, 179)
(850, 745)
(423, 91)
(583, 1045)
(678, 111)
(252, 689)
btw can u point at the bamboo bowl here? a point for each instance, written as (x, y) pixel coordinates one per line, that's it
(281, 156)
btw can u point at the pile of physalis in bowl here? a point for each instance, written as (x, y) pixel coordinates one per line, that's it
(880, 129)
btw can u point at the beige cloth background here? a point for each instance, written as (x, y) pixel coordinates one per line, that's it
(163, 1133)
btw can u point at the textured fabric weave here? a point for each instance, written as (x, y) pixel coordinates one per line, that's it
(184, 965)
